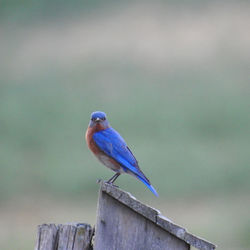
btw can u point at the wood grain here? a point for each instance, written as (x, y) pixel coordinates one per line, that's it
(64, 237)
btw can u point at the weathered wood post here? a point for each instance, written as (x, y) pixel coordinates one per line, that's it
(73, 236)
(123, 223)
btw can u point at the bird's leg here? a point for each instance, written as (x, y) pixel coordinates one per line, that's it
(116, 176)
(113, 178)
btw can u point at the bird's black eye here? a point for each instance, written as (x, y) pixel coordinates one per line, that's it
(104, 118)
(92, 119)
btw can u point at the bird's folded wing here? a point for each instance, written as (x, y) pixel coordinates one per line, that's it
(112, 144)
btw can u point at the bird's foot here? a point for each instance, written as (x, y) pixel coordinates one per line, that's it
(112, 184)
(106, 182)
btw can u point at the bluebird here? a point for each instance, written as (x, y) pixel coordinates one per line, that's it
(111, 149)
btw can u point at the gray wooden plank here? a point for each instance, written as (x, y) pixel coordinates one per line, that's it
(66, 236)
(119, 227)
(151, 214)
(46, 238)
(71, 236)
(130, 201)
(83, 237)
(198, 242)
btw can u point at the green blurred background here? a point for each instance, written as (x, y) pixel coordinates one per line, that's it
(174, 80)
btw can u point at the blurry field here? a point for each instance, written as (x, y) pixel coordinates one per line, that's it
(174, 80)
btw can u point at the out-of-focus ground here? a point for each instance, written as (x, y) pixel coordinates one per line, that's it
(174, 80)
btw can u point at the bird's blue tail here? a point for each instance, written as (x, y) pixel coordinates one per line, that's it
(150, 187)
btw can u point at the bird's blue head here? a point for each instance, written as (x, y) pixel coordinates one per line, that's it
(99, 118)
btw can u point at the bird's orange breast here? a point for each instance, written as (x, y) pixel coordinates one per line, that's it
(90, 141)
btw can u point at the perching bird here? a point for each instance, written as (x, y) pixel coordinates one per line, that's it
(111, 149)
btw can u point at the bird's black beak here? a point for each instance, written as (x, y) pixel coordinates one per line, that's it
(97, 119)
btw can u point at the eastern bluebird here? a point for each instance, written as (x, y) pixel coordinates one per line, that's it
(111, 149)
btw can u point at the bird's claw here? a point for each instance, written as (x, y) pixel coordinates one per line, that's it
(112, 184)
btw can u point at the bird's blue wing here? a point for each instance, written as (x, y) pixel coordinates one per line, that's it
(112, 144)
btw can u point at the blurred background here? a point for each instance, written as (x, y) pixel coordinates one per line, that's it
(174, 80)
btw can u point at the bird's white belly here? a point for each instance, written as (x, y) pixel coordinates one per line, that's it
(110, 163)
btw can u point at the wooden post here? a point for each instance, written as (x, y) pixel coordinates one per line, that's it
(64, 237)
(123, 223)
